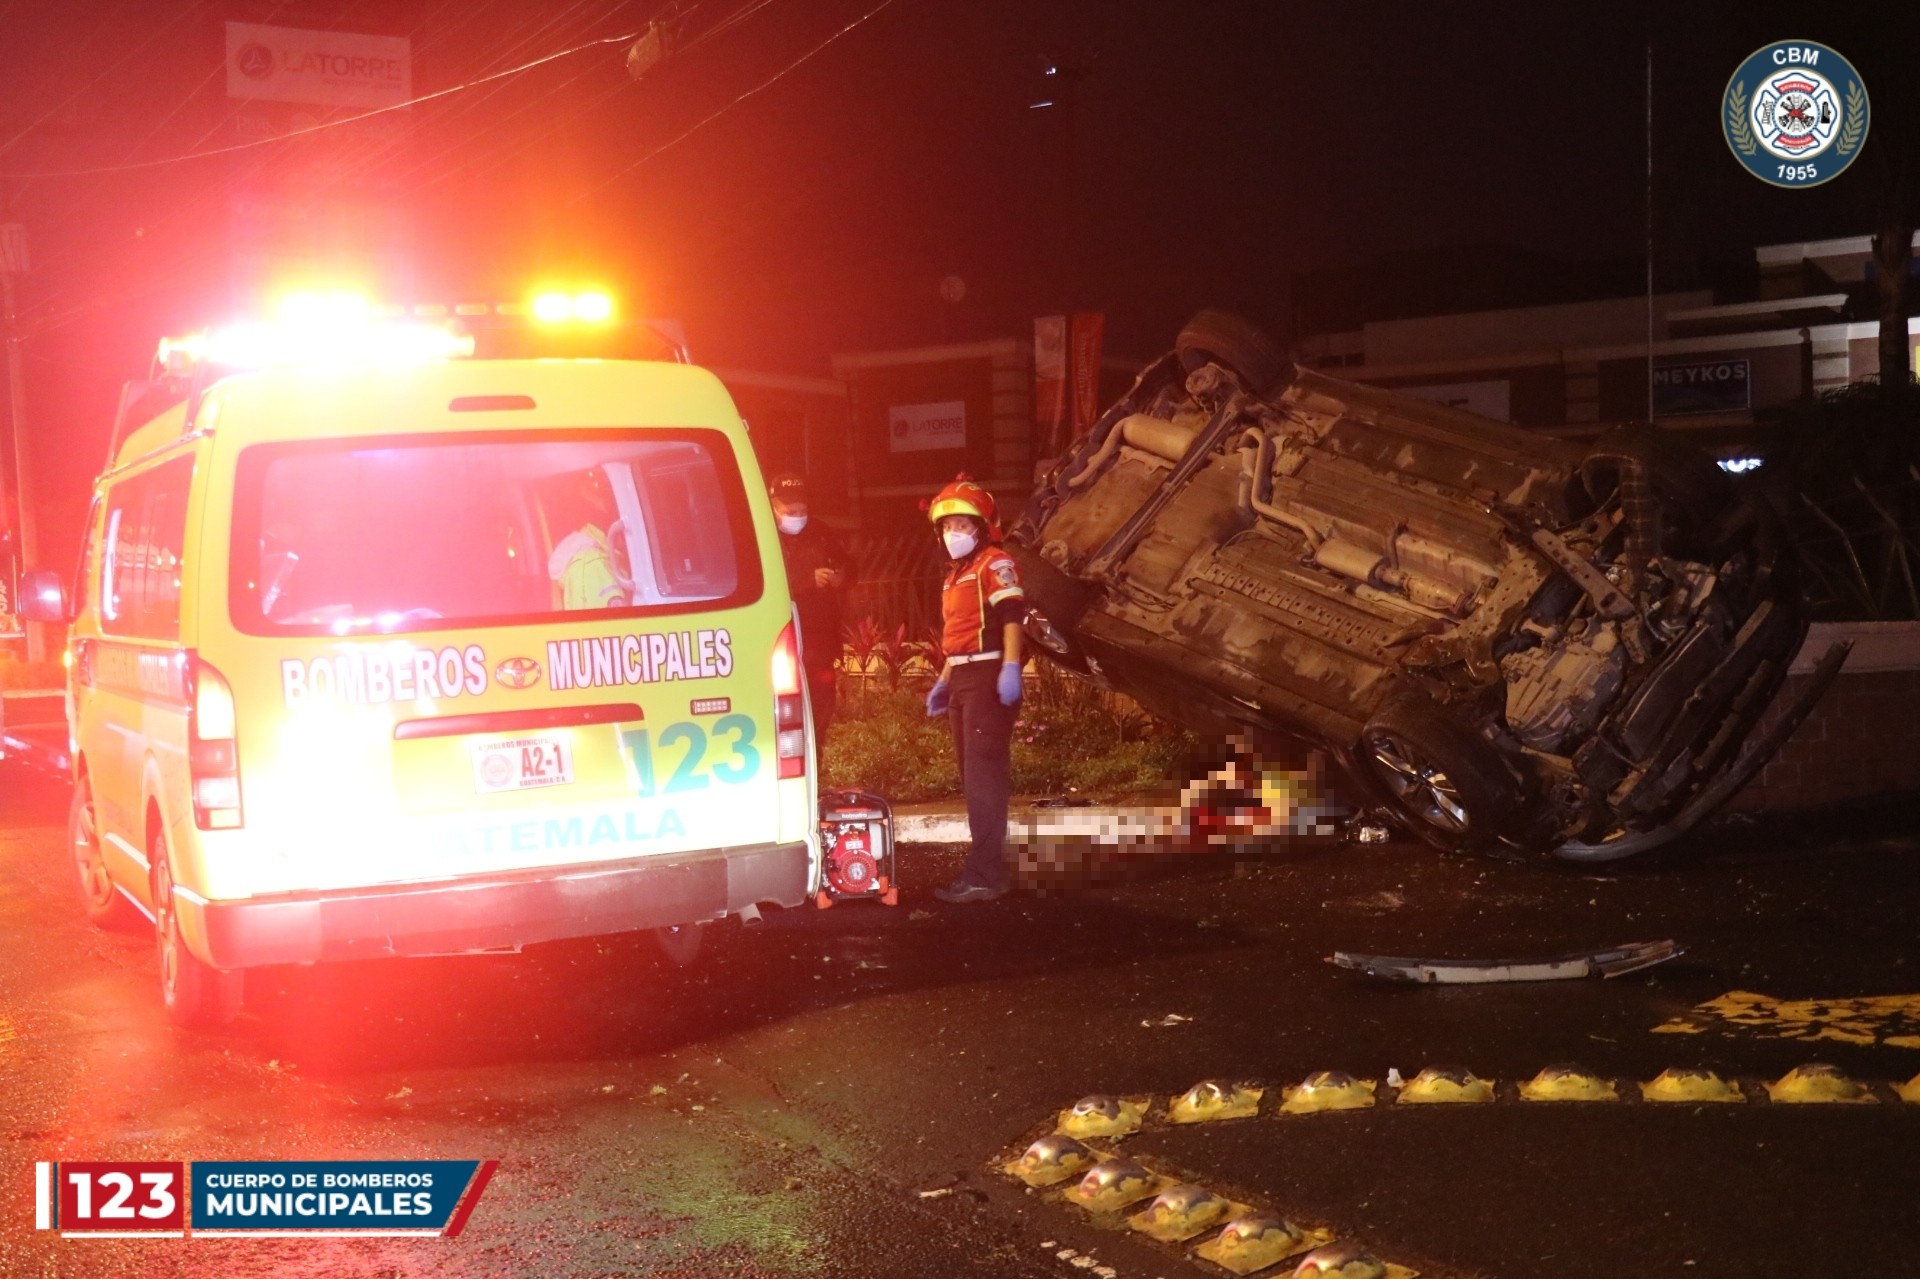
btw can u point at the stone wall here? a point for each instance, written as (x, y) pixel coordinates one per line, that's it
(1864, 736)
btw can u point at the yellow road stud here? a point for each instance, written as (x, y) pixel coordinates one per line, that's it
(1051, 1160)
(1688, 1084)
(1567, 1083)
(1112, 1184)
(1327, 1090)
(1347, 1261)
(1253, 1243)
(1818, 1083)
(1178, 1213)
(1101, 1115)
(1443, 1085)
(1210, 1100)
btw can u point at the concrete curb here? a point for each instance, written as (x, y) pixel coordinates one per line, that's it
(1100, 824)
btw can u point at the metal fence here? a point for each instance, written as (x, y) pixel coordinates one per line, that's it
(896, 582)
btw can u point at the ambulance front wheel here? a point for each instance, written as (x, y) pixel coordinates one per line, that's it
(198, 996)
(680, 943)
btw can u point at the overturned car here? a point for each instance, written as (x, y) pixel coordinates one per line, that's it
(1513, 642)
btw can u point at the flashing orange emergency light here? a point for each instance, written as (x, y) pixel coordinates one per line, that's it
(591, 307)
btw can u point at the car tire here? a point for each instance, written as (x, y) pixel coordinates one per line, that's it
(1220, 337)
(102, 903)
(197, 995)
(1446, 782)
(680, 944)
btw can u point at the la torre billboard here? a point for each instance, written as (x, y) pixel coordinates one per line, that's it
(319, 68)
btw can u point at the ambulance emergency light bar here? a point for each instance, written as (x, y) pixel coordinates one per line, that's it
(345, 328)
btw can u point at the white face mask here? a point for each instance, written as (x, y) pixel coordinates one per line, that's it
(960, 542)
(790, 524)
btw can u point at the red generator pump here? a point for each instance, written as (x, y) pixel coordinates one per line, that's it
(856, 848)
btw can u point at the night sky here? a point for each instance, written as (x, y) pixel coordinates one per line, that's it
(1199, 153)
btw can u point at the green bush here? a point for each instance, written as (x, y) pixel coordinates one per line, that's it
(882, 740)
(1846, 468)
(1072, 738)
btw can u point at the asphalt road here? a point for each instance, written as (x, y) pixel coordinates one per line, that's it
(831, 1093)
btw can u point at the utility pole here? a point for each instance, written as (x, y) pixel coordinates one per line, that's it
(13, 264)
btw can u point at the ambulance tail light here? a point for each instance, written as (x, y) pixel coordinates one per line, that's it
(213, 748)
(789, 705)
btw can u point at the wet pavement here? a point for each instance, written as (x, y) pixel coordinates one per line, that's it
(831, 1093)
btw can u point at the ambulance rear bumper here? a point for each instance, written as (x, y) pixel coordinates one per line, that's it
(450, 917)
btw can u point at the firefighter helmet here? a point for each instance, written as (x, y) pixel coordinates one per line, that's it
(965, 497)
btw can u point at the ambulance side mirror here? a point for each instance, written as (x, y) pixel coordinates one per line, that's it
(42, 597)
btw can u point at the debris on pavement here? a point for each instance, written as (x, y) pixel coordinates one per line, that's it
(1171, 1019)
(1611, 961)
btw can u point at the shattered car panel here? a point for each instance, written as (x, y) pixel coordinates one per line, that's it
(1512, 639)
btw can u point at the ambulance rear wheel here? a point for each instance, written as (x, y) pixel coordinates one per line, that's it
(198, 996)
(680, 943)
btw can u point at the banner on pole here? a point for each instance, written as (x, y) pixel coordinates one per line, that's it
(1088, 330)
(1049, 384)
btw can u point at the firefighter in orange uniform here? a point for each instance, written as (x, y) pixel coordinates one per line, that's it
(981, 607)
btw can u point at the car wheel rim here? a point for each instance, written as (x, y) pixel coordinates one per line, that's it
(1423, 789)
(87, 859)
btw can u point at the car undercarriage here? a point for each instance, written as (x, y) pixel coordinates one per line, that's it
(1511, 641)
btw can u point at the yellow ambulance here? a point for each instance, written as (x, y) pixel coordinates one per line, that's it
(379, 651)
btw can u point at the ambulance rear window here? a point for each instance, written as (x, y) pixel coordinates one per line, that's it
(387, 535)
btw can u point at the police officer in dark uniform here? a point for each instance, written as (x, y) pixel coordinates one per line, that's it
(981, 607)
(817, 576)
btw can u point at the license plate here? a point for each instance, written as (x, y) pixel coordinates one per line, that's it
(521, 764)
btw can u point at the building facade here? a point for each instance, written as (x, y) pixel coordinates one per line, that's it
(1715, 368)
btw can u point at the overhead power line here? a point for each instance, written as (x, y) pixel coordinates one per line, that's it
(329, 124)
(756, 89)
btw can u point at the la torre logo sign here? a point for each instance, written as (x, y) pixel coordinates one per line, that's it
(1795, 114)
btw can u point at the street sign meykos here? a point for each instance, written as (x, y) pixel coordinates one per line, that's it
(1703, 386)
(13, 248)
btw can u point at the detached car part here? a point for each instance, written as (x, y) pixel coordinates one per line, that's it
(1512, 641)
(1612, 961)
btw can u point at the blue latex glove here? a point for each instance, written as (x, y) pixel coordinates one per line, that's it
(937, 698)
(1008, 683)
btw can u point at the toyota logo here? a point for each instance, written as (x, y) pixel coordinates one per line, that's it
(517, 672)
